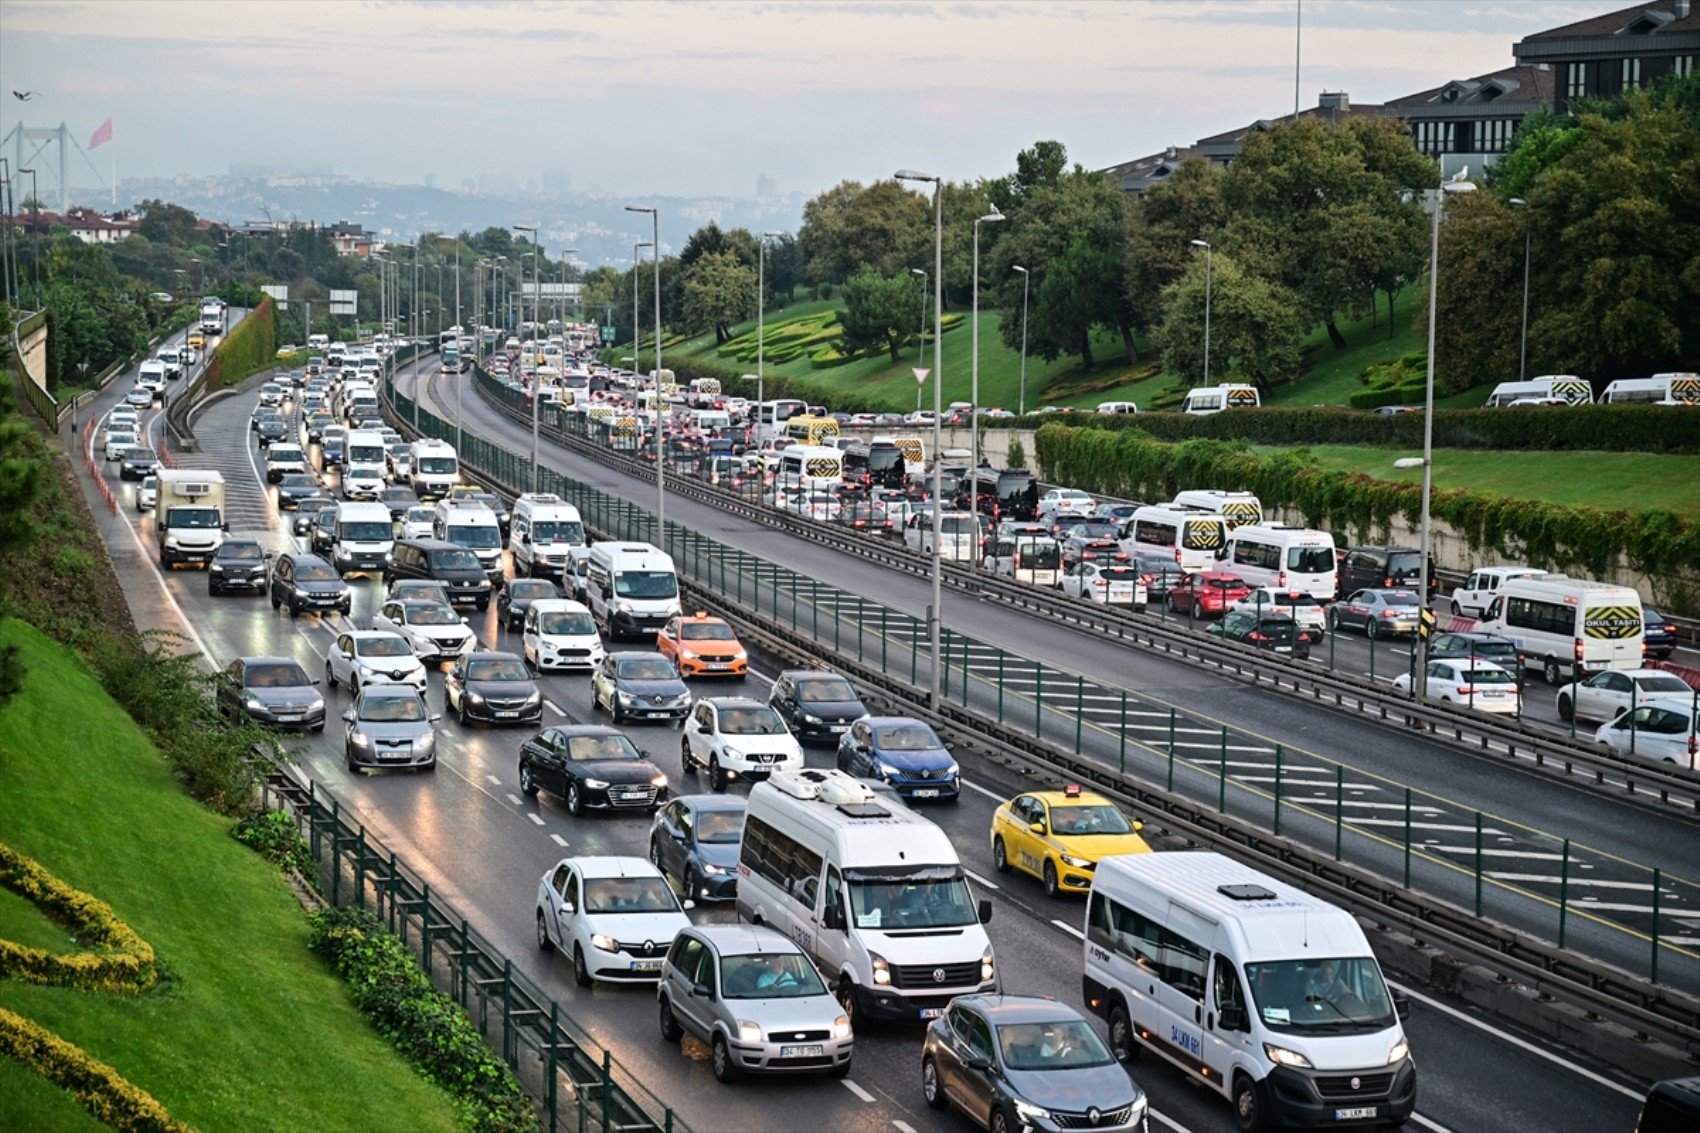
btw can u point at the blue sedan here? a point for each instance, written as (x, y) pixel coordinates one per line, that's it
(904, 752)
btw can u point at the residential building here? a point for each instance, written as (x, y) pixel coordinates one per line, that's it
(1606, 55)
(1470, 122)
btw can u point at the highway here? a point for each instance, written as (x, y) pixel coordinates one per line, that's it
(469, 832)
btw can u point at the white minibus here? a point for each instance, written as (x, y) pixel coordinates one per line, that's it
(1291, 558)
(632, 588)
(1568, 627)
(1235, 507)
(1192, 538)
(1213, 399)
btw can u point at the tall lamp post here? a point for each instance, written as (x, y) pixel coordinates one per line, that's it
(1208, 251)
(536, 381)
(1026, 279)
(921, 335)
(974, 372)
(637, 324)
(561, 307)
(1523, 348)
(761, 323)
(1437, 202)
(660, 412)
(935, 611)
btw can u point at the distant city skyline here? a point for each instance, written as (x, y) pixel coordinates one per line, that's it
(705, 99)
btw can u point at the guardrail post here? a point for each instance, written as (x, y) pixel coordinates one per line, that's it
(1563, 892)
(1276, 828)
(424, 926)
(1333, 632)
(885, 641)
(1171, 749)
(1407, 837)
(1039, 701)
(667, 1121)
(1339, 807)
(313, 818)
(1657, 876)
(554, 1070)
(465, 948)
(508, 1011)
(336, 852)
(360, 870)
(1079, 710)
(607, 1086)
(1000, 686)
(1121, 738)
(1222, 774)
(1371, 656)
(915, 649)
(1478, 863)
(389, 900)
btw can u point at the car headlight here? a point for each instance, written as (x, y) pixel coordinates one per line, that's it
(748, 1032)
(658, 780)
(596, 784)
(216, 568)
(1281, 1056)
(360, 739)
(711, 870)
(624, 697)
(1400, 1050)
(253, 704)
(952, 771)
(884, 770)
(473, 697)
(1027, 1111)
(988, 964)
(882, 970)
(317, 704)
(673, 610)
(426, 742)
(808, 719)
(731, 753)
(1077, 863)
(841, 1027)
(604, 942)
(534, 699)
(623, 607)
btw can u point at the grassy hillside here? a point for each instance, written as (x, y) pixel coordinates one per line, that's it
(249, 1030)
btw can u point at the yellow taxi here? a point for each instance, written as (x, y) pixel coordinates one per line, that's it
(197, 339)
(702, 646)
(1060, 836)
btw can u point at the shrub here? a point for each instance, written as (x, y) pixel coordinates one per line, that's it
(274, 837)
(251, 346)
(105, 1093)
(125, 962)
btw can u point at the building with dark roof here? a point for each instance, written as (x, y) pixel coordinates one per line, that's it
(1142, 174)
(1470, 122)
(1606, 55)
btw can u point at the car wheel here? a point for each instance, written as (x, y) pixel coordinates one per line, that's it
(1550, 671)
(1457, 611)
(670, 1029)
(1197, 609)
(842, 1070)
(614, 709)
(1000, 1123)
(581, 972)
(294, 610)
(1565, 712)
(330, 676)
(276, 601)
(692, 884)
(1000, 855)
(544, 944)
(1051, 884)
(575, 799)
(724, 1069)
(1248, 1105)
(484, 605)
(1122, 1043)
(655, 856)
(846, 993)
(684, 756)
(527, 783)
(930, 1086)
(716, 776)
(460, 713)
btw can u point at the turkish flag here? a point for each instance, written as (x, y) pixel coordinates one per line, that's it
(102, 135)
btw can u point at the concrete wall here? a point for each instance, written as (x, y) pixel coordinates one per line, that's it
(32, 350)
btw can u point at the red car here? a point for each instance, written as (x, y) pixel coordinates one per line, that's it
(1208, 593)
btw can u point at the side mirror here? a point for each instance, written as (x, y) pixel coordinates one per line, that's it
(1401, 1005)
(434, 717)
(834, 918)
(348, 716)
(315, 682)
(985, 911)
(976, 1062)
(702, 991)
(1037, 827)
(688, 904)
(567, 907)
(1138, 825)
(1233, 1018)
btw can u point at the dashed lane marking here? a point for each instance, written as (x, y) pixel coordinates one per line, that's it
(857, 1090)
(1070, 929)
(535, 817)
(553, 707)
(516, 800)
(494, 782)
(981, 880)
(558, 840)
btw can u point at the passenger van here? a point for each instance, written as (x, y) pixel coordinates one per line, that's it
(1568, 627)
(631, 588)
(432, 468)
(1567, 388)
(543, 533)
(804, 429)
(1213, 399)
(1470, 599)
(1113, 407)
(959, 535)
(1660, 389)
(1191, 538)
(471, 524)
(871, 890)
(1036, 559)
(1235, 507)
(1261, 992)
(809, 468)
(772, 416)
(878, 463)
(362, 539)
(364, 461)
(1292, 558)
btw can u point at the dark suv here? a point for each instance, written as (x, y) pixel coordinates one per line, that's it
(1383, 568)
(457, 568)
(308, 583)
(238, 564)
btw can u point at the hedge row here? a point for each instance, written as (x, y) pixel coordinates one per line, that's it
(425, 1026)
(249, 348)
(1132, 465)
(125, 962)
(1608, 428)
(112, 1100)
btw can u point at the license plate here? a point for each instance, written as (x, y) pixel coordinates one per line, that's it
(931, 1012)
(716, 666)
(1283, 649)
(506, 715)
(655, 966)
(1356, 1113)
(927, 793)
(840, 728)
(801, 1051)
(632, 794)
(289, 717)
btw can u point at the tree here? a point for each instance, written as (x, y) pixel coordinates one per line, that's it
(1160, 230)
(878, 311)
(849, 226)
(1255, 324)
(166, 223)
(1481, 285)
(1041, 166)
(719, 290)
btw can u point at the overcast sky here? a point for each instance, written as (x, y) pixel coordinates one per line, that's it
(690, 98)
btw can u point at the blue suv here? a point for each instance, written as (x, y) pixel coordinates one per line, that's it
(903, 752)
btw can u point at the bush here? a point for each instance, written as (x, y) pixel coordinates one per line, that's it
(100, 1089)
(274, 837)
(124, 962)
(249, 348)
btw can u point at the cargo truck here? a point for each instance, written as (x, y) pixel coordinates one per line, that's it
(189, 523)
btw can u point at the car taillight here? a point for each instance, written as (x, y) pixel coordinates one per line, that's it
(1387, 581)
(1578, 650)
(1100, 584)
(1254, 636)
(1088, 554)
(1466, 690)
(1281, 579)
(1389, 614)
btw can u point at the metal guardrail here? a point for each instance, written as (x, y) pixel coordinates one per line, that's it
(1606, 989)
(577, 1083)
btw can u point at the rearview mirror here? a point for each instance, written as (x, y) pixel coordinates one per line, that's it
(434, 717)
(1037, 827)
(976, 1062)
(349, 716)
(1233, 1018)
(702, 991)
(834, 918)
(1401, 1005)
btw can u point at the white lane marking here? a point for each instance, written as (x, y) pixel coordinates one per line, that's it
(1169, 1121)
(1643, 886)
(1070, 929)
(1427, 1124)
(1535, 855)
(982, 881)
(553, 707)
(558, 840)
(903, 1126)
(515, 799)
(535, 817)
(494, 782)
(1499, 1034)
(982, 790)
(857, 1090)
(1454, 827)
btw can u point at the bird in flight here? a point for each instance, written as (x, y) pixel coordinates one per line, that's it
(23, 95)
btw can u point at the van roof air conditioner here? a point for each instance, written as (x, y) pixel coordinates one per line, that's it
(1251, 892)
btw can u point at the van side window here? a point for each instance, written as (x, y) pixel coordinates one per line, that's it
(834, 893)
(782, 860)
(1225, 984)
(1163, 953)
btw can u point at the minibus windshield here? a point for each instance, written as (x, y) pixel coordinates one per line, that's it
(1321, 996)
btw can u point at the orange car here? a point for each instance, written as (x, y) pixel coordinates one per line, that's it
(702, 646)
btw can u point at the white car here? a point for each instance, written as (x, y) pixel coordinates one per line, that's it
(1475, 684)
(1607, 695)
(432, 628)
(1112, 584)
(1060, 503)
(1661, 731)
(117, 441)
(614, 917)
(1308, 611)
(147, 493)
(417, 523)
(139, 396)
(559, 633)
(123, 417)
(733, 737)
(361, 658)
(811, 505)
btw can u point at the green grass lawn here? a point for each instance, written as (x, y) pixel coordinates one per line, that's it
(29, 1101)
(249, 1030)
(1332, 375)
(1629, 481)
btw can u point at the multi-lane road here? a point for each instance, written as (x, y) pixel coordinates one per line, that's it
(468, 831)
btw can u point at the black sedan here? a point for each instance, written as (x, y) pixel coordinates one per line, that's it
(492, 687)
(1097, 539)
(293, 487)
(308, 583)
(238, 564)
(137, 462)
(815, 704)
(398, 498)
(694, 839)
(275, 691)
(272, 429)
(518, 595)
(1277, 633)
(592, 767)
(307, 511)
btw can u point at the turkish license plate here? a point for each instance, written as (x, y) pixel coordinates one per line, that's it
(717, 666)
(927, 793)
(1283, 649)
(1356, 1113)
(506, 715)
(802, 1051)
(931, 1012)
(655, 966)
(840, 727)
(633, 794)
(1123, 593)
(290, 717)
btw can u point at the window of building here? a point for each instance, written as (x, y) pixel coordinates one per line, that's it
(1630, 74)
(1575, 80)
(1682, 66)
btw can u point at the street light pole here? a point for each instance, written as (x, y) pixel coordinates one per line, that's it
(661, 413)
(536, 379)
(1523, 348)
(921, 335)
(761, 325)
(935, 612)
(1025, 280)
(974, 371)
(1208, 252)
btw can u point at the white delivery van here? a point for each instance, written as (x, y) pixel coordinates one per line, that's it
(1261, 992)
(189, 521)
(1470, 599)
(543, 533)
(362, 539)
(433, 468)
(1213, 399)
(1568, 627)
(809, 468)
(1035, 559)
(1113, 407)
(151, 377)
(1295, 559)
(363, 464)
(471, 524)
(1235, 507)
(1192, 538)
(871, 890)
(709, 420)
(959, 534)
(632, 588)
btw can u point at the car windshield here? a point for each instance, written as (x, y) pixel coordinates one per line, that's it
(251, 553)
(194, 517)
(436, 465)
(367, 531)
(454, 560)
(1320, 996)
(831, 691)
(567, 623)
(526, 590)
(419, 515)
(431, 614)
(281, 674)
(706, 631)
(769, 975)
(386, 645)
(557, 531)
(628, 895)
(483, 538)
(647, 669)
(315, 572)
(911, 902)
(1066, 1044)
(646, 584)
(585, 749)
(1407, 565)
(392, 709)
(1089, 818)
(906, 737)
(1310, 560)
(1095, 531)
(720, 827)
(496, 669)
(298, 480)
(751, 721)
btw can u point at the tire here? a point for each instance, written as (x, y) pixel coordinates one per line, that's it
(527, 783)
(721, 1057)
(1550, 671)
(1123, 1044)
(931, 1088)
(575, 799)
(692, 883)
(1197, 609)
(655, 855)
(1000, 1123)
(684, 756)
(460, 714)
(581, 971)
(544, 944)
(1248, 1105)
(212, 590)
(716, 776)
(484, 605)
(614, 709)
(1000, 856)
(1052, 885)
(1565, 712)
(330, 676)
(670, 1030)
(846, 993)
(1457, 611)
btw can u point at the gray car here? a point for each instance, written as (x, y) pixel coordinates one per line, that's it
(275, 691)
(389, 726)
(755, 1000)
(1026, 1062)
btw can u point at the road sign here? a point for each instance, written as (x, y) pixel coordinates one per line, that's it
(1425, 623)
(279, 293)
(921, 373)
(344, 302)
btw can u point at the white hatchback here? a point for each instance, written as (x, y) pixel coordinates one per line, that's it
(559, 633)
(1666, 730)
(361, 658)
(614, 917)
(1304, 609)
(736, 738)
(1475, 684)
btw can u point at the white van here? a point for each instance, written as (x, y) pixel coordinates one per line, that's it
(471, 524)
(363, 463)
(1660, 389)
(709, 420)
(959, 534)
(1213, 399)
(871, 890)
(632, 588)
(1235, 507)
(1116, 407)
(809, 468)
(362, 539)
(543, 533)
(1265, 994)
(1192, 538)
(151, 377)
(559, 633)
(433, 468)
(1470, 599)
(1294, 559)
(1568, 627)
(1546, 389)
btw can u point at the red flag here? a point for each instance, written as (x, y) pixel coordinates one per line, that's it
(102, 135)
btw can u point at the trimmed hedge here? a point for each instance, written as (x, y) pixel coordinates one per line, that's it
(106, 1094)
(248, 349)
(127, 962)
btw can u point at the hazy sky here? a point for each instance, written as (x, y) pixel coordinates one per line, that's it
(698, 98)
